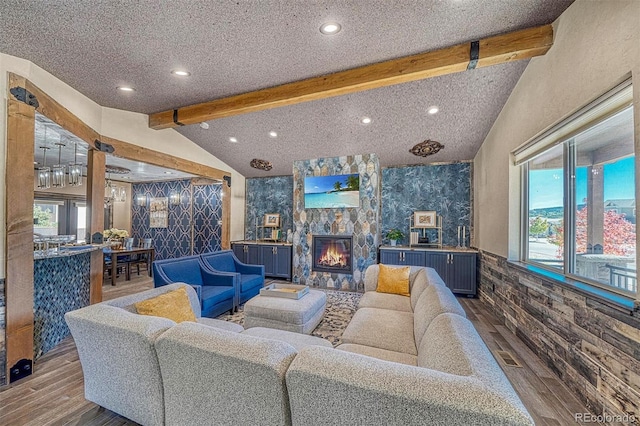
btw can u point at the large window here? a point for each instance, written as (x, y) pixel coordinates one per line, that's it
(579, 196)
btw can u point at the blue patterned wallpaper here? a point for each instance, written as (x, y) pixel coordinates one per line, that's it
(268, 195)
(61, 284)
(201, 217)
(362, 223)
(445, 188)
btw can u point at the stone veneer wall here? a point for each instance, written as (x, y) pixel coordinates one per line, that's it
(592, 347)
(3, 346)
(363, 222)
(445, 188)
(268, 195)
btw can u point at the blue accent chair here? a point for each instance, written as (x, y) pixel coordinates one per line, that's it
(217, 292)
(250, 277)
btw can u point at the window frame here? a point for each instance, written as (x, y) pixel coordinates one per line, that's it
(563, 133)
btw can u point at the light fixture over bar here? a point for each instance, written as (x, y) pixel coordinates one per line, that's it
(44, 172)
(75, 169)
(58, 170)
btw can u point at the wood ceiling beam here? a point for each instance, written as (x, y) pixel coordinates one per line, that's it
(499, 49)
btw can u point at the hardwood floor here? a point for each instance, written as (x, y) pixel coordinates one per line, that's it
(54, 394)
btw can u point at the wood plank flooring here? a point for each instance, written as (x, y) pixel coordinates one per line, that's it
(54, 394)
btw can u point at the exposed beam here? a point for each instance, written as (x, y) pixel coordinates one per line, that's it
(493, 50)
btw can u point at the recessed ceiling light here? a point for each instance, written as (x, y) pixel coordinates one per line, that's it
(35, 162)
(204, 125)
(232, 139)
(273, 134)
(432, 110)
(181, 73)
(126, 89)
(330, 28)
(365, 120)
(168, 173)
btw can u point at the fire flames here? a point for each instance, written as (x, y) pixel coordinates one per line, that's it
(333, 257)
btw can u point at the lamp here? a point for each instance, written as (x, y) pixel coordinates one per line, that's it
(75, 169)
(113, 193)
(141, 200)
(57, 171)
(44, 172)
(174, 197)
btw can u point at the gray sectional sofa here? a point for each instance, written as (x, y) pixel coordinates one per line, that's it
(405, 360)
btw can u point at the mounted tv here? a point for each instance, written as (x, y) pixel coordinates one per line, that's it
(331, 192)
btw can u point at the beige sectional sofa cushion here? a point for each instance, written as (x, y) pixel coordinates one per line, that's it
(434, 301)
(382, 328)
(212, 376)
(383, 354)
(395, 302)
(297, 340)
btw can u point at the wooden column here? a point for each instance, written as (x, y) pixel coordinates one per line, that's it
(95, 217)
(226, 215)
(19, 181)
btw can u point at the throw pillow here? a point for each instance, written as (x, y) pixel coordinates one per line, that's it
(173, 305)
(393, 280)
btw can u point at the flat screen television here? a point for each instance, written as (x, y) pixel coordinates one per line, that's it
(329, 192)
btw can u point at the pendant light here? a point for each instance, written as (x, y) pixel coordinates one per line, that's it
(44, 173)
(57, 171)
(75, 169)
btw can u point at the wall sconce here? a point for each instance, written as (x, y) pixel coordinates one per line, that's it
(141, 200)
(174, 198)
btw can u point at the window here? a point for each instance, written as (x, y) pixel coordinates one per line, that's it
(579, 195)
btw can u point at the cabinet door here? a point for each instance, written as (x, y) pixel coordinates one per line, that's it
(238, 250)
(390, 257)
(283, 262)
(267, 253)
(253, 255)
(414, 258)
(462, 273)
(439, 262)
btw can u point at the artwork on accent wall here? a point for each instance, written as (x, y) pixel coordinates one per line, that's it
(272, 220)
(426, 219)
(159, 212)
(336, 191)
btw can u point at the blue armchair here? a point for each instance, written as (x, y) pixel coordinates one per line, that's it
(251, 277)
(217, 292)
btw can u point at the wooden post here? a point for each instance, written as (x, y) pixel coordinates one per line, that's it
(19, 181)
(95, 217)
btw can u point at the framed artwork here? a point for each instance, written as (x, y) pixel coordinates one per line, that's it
(159, 212)
(272, 219)
(426, 219)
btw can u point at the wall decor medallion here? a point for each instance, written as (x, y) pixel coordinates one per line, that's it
(426, 148)
(265, 165)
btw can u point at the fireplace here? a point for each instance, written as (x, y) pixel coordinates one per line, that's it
(332, 253)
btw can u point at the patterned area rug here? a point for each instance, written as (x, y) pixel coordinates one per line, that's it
(341, 306)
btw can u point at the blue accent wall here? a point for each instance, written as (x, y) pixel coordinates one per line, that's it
(198, 214)
(268, 195)
(445, 188)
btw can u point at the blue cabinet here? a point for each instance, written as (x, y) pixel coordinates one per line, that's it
(457, 269)
(276, 258)
(402, 257)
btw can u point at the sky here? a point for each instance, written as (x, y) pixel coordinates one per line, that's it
(546, 186)
(315, 184)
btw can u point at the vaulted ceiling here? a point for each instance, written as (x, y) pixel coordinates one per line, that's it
(233, 47)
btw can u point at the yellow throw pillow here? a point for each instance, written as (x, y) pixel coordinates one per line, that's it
(173, 305)
(393, 280)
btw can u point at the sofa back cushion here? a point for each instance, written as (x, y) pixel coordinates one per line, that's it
(119, 362)
(446, 345)
(183, 270)
(419, 284)
(213, 376)
(433, 301)
(221, 261)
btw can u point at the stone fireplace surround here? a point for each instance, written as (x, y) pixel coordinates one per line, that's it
(363, 223)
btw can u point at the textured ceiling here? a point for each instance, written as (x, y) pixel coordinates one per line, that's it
(233, 47)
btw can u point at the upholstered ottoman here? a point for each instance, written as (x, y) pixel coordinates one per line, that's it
(298, 315)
